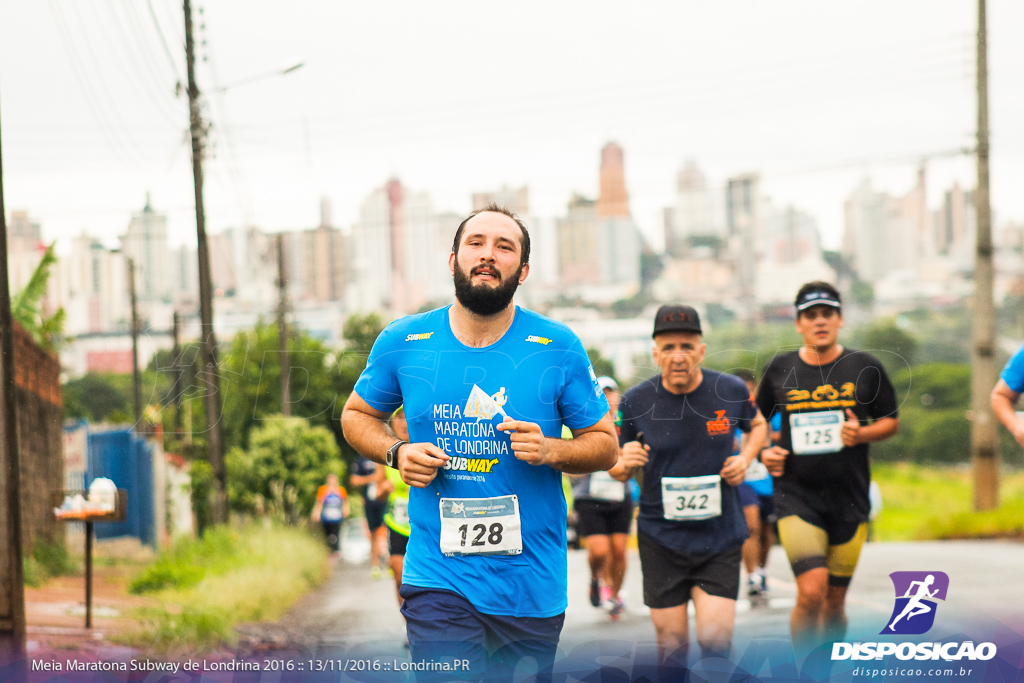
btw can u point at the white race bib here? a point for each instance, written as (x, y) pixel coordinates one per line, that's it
(400, 511)
(691, 498)
(604, 487)
(371, 491)
(817, 432)
(481, 526)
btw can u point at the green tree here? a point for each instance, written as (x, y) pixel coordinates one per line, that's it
(896, 348)
(251, 381)
(862, 293)
(98, 397)
(933, 401)
(360, 332)
(279, 473)
(602, 366)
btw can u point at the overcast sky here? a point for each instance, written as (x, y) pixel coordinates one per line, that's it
(456, 97)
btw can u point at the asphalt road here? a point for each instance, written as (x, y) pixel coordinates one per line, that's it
(357, 615)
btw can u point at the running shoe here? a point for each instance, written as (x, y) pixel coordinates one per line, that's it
(375, 572)
(606, 595)
(595, 593)
(616, 606)
(754, 588)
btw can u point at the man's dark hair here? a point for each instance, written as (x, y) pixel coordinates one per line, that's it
(816, 286)
(524, 256)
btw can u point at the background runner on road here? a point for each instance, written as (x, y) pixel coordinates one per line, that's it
(604, 516)
(833, 401)
(690, 528)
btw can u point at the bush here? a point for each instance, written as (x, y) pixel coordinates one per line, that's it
(285, 464)
(47, 561)
(933, 401)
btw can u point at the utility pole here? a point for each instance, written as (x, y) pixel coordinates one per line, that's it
(12, 582)
(176, 390)
(214, 424)
(136, 378)
(984, 436)
(282, 329)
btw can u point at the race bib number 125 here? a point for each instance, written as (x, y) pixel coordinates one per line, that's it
(819, 432)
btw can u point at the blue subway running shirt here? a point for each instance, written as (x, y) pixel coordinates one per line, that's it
(1013, 372)
(455, 396)
(690, 435)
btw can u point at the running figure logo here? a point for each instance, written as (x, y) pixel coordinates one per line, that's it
(916, 592)
(483, 406)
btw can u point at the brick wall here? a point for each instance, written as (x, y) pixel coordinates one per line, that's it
(40, 438)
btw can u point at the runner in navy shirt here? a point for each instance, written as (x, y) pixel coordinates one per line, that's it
(678, 426)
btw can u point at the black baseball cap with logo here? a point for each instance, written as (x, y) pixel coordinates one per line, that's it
(817, 297)
(676, 318)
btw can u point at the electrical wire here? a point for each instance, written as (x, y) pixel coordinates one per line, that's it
(93, 100)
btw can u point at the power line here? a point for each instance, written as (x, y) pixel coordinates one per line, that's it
(163, 41)
(92, 99)
(137, 65)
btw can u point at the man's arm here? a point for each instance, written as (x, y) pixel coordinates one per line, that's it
(366, 429)
(735, 468)
(854, 433)
(591, 449)
(1004, 405)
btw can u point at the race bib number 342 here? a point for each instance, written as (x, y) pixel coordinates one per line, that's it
(692, 498)
(481, 526)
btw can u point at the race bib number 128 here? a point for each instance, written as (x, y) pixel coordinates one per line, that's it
(481, 526)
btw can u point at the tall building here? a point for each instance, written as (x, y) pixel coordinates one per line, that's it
(25, 249)
(885, 234)
(696, 217)
(146, 243)
(21, 227)
(866, 239)
(399, 256)
(92, 286)
(598, 241)
(612, 199)
(515, 200)
(790, 235)
(790, 254)
(577, 242)
(956, 226)
(743, 225)
(243, 267)
(316, 261)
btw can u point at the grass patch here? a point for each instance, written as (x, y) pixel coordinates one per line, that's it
(928, 503)
(231, 575)
(47, 561)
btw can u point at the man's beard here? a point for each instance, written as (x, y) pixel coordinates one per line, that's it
(483, 299)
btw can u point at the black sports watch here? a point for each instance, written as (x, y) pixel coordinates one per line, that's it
(391, 458)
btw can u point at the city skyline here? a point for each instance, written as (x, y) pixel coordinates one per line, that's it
(730, 86)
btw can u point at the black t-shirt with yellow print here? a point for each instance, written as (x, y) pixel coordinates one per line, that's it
(813, 399)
